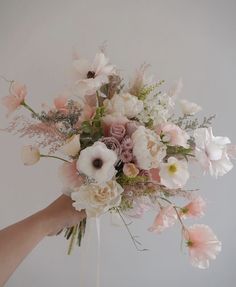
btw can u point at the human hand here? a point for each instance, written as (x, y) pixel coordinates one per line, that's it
(59, 215)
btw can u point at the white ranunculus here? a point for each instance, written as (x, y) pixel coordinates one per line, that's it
(30, 155)
(189, 108)
(211, 152)
(147, 148)
(97, 162)
(174, 173)
(125, 104)
(97, 199)
(72, 146)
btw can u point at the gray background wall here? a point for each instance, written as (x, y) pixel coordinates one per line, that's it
(195, 40)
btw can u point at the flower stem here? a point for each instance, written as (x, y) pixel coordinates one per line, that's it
(53, 156)
(29, 108)
(72, 240)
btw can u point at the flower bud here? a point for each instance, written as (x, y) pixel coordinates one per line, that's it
(30, 155)
(72, 146)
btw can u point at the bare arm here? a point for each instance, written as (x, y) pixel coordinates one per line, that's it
(17, 240)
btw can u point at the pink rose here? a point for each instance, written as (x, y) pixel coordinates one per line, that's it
(117, 131)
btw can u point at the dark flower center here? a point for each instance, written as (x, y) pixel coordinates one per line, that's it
(97, 163)
(91, 75)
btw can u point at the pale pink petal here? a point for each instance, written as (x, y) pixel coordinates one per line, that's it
(195, 208)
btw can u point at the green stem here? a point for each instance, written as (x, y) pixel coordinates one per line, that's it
(29, 108)
(53, 156)
(72, 240)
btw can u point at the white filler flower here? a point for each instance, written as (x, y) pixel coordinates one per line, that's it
(97, 162)
(174, 173)
(147, 148)
(211, 152)
(97, 199)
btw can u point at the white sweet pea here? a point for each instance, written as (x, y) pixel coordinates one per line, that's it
(97, 199)
(125, 104)
(147, 148)
(174, 173)
(72, 146)
(212, 152)
(189, 108)
(97, 162)
(30, 155)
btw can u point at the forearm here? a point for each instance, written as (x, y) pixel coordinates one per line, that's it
(17, 241)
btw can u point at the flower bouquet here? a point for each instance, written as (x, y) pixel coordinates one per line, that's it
(125, 150)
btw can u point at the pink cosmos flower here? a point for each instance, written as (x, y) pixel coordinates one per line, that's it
(203, 245)
(16, 97)
(164, 219)
(195, 208)
(70, 176)
(173, 134)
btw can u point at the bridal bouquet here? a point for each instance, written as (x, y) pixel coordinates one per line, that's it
(125, 149)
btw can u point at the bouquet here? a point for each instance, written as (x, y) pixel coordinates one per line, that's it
(125, 149)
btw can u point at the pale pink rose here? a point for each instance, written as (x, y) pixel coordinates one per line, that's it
(70, 176)
(154, 175)
(117, 131)
(164, 219)
(16, 97)
(203, 245)
(195, 208)
(112, 144)
(173, 134)
(110, 120)
(130, 170)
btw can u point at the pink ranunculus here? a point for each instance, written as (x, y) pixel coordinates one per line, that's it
(164, 219)
(70, 176)
(117, 131)
(195, 208)
(127, 143)
(203, 245)
(15, 98)
(173, 134)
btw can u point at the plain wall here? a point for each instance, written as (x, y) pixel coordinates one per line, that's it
(195, 40)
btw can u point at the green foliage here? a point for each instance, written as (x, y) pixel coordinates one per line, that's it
(146, 90)
(124, 180)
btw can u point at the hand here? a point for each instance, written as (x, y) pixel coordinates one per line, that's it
(59, 215)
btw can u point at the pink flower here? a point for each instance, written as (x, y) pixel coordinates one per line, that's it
(70, 176)
(60, 103)
(117, 131)
(173, 134)
(110, 120)
(126, 156)
(127, 143)
(164, 219)
(203, 245)
(195, 208)
(16, 97)
(154, 175)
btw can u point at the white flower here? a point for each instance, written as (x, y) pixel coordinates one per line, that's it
(147, 148)
(30, 155)
(97, 199)
(97, 162)
(125, 104)
(72, 146)
(211, 152)
(189, 108)
(174, 173)
(91, 76)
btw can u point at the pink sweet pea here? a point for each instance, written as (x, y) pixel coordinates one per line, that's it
(203, 245)
(164, 219)
(16, 97)
(70, 176)
(195, 208)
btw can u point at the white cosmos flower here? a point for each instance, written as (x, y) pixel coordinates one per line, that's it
(91, 76)
(174, 173)
(147, 148)
(97, 162)
(211, 152)
(189, 108)
(97, 199)
(125, 104)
